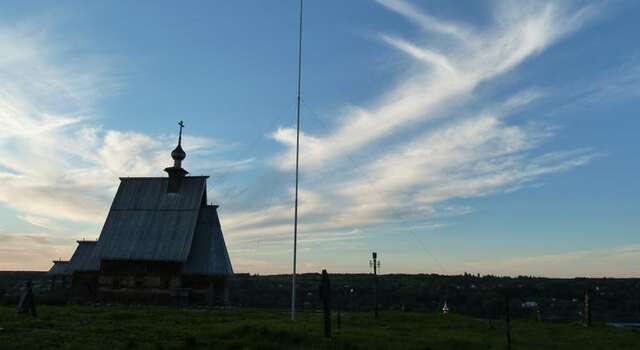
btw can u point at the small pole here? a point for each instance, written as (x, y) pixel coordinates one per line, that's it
(342, 305)
(27, 305)
(352, 306)
(339, 317)
(587, 308)
(508, 319)
(325, 295)
(375, 263)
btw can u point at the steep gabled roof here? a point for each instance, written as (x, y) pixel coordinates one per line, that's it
(59, 268)
(209, 254)
(84, 258)
(148, 223)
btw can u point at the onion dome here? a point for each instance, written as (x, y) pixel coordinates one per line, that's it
(178, 153)
(176, 173)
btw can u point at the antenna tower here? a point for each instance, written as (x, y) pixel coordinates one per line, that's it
(295, 217)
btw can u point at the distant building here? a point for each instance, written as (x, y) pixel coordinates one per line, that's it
(161, 243)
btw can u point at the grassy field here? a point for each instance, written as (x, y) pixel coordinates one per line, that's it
(85, 327)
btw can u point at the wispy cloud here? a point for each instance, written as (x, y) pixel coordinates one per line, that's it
(41, 222)
(428, 23)
(415, 149)
(56, 161)
(423, 54)
(429, 141)
(445, 76)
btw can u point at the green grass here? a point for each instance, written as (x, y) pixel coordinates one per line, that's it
(85, 327)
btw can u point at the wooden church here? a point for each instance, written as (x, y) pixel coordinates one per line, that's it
(161, 243)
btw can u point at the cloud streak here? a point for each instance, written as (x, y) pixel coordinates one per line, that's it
(415, 149)
(56, 162)
(431, 140)
(444, 77)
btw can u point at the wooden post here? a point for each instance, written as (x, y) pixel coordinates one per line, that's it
(375, 264)
(339, 318)
(508, 319)
(325, 295)
(210, 294)
(226, 301)
(375, 296)
(587, 308)
(27, 305)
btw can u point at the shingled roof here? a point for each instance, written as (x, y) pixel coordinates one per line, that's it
(208, 254)
(59, 268)
(148, 223)
(84, 258)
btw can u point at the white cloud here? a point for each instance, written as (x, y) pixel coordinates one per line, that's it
(425, 94)
(41, 222)
(412, 150)
(55, 161)
(427, 22)
(467, 158)
(394, 179)
(422, 54)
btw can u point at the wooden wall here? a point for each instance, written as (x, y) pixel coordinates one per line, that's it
(131, 282)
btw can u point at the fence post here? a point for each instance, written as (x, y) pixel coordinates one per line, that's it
(27, 305)
(587, 308)
(339, 318)
(508, 319)
(325, 295)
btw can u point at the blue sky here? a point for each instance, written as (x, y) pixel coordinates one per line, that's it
(486, 137)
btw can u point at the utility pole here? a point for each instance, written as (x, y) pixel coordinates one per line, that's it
(375, 263)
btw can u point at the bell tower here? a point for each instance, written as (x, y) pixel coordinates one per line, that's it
(176, 173)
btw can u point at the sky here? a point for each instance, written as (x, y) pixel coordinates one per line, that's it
(489, 137)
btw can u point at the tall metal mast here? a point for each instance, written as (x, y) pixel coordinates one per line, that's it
(295, 215)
